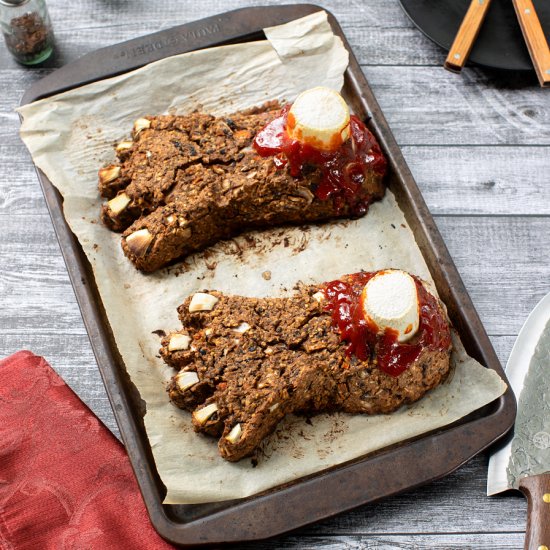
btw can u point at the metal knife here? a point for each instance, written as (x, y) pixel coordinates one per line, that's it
(524, 463)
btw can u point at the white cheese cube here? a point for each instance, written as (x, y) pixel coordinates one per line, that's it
(202, 302)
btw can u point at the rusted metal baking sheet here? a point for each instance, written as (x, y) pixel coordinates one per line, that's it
(306, 500)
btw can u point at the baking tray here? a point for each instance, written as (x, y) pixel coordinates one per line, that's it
(374, 476)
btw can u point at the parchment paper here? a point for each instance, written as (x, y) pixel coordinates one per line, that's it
(71, 135)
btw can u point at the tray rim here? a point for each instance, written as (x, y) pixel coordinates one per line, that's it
(215, 527)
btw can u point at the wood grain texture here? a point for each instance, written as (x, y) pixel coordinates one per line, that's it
(537, 490)
(482, 181)
(479, 147)
(534, 37)
(474, 109)
(466, 35)
(400, 542)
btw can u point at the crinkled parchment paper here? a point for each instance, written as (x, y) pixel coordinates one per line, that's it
(71, 135)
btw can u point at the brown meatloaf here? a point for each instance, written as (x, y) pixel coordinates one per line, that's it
(149, 165)
(247, 362)
(185, 182)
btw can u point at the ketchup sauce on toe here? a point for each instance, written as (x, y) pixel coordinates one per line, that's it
(343, 170)
(363, 338)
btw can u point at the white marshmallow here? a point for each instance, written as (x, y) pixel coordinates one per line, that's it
(319, 117)
(390, 300)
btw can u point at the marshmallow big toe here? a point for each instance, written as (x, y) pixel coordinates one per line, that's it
(390, 300)
(319, 117)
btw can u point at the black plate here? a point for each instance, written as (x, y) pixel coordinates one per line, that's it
(500, 44)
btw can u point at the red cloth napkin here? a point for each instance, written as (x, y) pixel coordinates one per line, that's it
(65, 480)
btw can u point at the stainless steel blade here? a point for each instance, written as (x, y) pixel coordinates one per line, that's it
(528, 370)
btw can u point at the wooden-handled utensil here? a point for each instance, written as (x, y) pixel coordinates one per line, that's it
(524, 463)
(467, 33)
(534, 36)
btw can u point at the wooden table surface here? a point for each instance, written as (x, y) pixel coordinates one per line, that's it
(478, 146)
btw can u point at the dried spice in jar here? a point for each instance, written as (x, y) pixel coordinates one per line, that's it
(27, 30)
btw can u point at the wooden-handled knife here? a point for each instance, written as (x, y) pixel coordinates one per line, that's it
(524, 463)
(535, 39)
(530, 27)
(466, 35)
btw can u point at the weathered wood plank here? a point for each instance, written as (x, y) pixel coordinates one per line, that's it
(428, 106)
(501, 541)
(503, 346)
(473, 110)
(504, 265)
(482, 180)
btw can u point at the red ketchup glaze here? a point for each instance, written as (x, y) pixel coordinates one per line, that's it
(343, 297)
(343, 170)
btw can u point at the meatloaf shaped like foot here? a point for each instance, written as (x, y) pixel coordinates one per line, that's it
(148, 165)
(245, 363)
(185, 182)
(219, 205)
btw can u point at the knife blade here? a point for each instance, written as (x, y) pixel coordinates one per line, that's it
(524, 463)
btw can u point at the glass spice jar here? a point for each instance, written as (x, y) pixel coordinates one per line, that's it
(27, 30)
